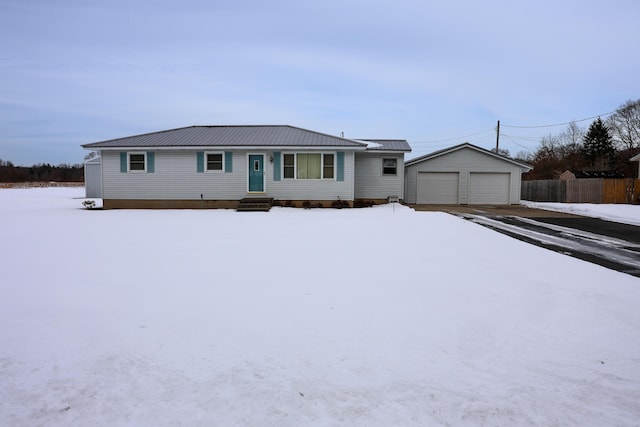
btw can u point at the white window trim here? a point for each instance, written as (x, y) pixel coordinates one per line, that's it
(129, 153)
(206, 156)
(382, 164)
(295, 166)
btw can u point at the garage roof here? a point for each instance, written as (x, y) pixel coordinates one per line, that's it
(438, 153)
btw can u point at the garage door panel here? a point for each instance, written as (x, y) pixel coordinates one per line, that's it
(489, 188)
(438, 188)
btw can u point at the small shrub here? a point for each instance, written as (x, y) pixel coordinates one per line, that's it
(339, 204)
(362, 203)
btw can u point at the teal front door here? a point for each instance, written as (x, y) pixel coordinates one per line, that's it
(256, 173)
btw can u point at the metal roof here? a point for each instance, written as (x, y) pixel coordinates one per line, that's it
(230, 136)
(387, 145)
(471, 146)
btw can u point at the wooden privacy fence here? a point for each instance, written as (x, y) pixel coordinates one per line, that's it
(587, 190)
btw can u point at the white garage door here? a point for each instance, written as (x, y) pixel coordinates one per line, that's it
(438, 188)
(489, 188)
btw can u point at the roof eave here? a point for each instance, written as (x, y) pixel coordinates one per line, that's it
(225, 147)
(384, 151)
(445, 151)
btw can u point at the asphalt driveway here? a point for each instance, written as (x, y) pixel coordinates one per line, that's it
(610, 244)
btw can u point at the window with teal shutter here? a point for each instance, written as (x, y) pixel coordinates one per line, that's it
(276, 166)
(151, 162)
(123, 162)
(200, 161)
(340, 158)
(228, 162)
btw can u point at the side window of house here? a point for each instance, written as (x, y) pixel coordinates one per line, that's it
(389, 166)
(215, 162)
(137, 162)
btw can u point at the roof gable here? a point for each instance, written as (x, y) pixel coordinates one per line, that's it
(229, 136)
(463, 146)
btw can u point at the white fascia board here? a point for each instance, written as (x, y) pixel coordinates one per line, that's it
(227, 147)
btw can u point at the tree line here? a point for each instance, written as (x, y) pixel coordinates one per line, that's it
(42, 172)
(606, 146)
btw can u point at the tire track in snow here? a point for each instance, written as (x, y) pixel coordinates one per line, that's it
(617, 254)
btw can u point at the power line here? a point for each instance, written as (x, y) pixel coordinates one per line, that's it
(560, 124)
(453, 139)
(524, 138)
(509, 137)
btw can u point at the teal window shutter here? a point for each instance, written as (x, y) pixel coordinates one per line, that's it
(276, 166)
(123, 162)
(228, 162)
(200, 161)
(340, 158)
(151, 162)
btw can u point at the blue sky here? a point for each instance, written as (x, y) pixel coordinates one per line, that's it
(437, 73)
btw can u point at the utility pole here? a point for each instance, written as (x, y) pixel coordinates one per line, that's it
(498, 137)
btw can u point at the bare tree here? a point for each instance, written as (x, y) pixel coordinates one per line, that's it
(91, 155)
(624, 125)
(570, 146)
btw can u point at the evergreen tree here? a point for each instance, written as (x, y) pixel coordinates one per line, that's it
(598, 146)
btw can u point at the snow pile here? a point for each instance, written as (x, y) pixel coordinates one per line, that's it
(370, 144)
(294, 317)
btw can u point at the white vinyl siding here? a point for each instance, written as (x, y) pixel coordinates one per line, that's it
(175, 177)
(370, 181)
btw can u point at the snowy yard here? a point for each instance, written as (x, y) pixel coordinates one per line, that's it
(355, 317)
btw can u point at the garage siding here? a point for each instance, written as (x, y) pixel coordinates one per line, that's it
(481, 177)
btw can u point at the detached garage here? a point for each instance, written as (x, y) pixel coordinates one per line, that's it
(464, 174)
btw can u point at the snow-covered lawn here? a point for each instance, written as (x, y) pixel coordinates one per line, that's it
(355, 317)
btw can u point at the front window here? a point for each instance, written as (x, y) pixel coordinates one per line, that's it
(137, 162)
(309, 166)
(215, 162)
(389, 166)
(327, 166)
(289, 166)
